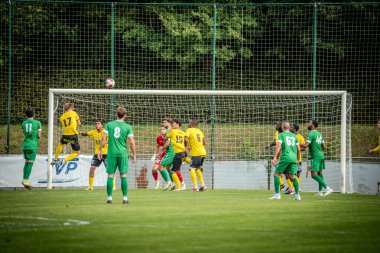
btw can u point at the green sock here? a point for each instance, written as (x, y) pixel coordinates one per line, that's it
(296, 185)
(277, 184)
(109, 186)
(27, 170)
(170, 174)
(124, 186)
(165, 175)
(320, 181)
(320, 186)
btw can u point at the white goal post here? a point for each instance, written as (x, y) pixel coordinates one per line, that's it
(210, 93)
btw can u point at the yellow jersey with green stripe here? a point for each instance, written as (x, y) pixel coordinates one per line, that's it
(177, 138)
(97, 136)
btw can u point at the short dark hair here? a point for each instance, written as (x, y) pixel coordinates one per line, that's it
(29, 113)
(194, 122)
(296, 127)
(177, 121)
(99, 120)
(314, 122)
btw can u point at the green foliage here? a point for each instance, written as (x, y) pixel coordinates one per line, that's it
(247, 151)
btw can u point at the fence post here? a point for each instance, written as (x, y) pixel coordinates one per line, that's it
(315, 13)
(9, 74)
(213, 88)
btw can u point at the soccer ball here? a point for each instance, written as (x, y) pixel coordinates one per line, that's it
(109, 83)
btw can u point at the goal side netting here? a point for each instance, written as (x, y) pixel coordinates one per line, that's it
(238, 126)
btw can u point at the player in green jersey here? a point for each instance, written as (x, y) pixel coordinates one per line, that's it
(288, 146)
(167, 160)
(316, 144)
(32, 132)
(118, 133)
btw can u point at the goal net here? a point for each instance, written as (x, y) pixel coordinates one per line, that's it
(238, 126)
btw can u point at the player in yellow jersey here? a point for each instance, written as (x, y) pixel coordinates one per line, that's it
(195, 143)
(177, 140)
(377, 149)
(70, 122)
(96, 134)
(294, 128)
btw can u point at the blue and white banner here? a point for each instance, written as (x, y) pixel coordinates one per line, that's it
(71, 174)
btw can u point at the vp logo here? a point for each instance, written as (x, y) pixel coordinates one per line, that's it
(71, 165)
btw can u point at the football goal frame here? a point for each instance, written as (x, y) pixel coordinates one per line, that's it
(212, 93)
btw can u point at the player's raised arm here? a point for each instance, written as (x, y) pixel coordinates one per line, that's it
(83, 133)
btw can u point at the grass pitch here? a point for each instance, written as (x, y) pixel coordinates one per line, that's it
(211, 221)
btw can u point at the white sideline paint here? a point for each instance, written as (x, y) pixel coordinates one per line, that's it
(65, 222)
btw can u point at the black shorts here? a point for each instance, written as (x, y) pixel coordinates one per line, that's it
(177, 161)
(72, 139)
(96, 162)
(196, 162)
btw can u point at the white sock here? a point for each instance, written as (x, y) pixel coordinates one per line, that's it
(109, 197)
(125, 198)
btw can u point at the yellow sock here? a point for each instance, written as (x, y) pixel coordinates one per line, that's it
(114, 183)
(299, 180)
(289, 182)
(58, 150)
(200, 176)
(193, 177)
(70, 157)
(91, 181)
(176, 180)
(281, 180)
(187, 159)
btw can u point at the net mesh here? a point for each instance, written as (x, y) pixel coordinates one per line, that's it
(170, 46)
(238, 130)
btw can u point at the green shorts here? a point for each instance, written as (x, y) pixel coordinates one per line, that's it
(317, 165)
(168, 159)
(117, 162)
(290, 167)
(30, 154)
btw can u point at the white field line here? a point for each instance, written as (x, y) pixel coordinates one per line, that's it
(64, 222)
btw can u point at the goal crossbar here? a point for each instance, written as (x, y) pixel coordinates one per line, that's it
(343, 111)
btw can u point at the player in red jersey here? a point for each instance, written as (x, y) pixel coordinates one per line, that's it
(160, 139)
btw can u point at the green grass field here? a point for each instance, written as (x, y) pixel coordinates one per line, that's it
(211, 221)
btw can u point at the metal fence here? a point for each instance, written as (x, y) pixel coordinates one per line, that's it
(221, 46)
